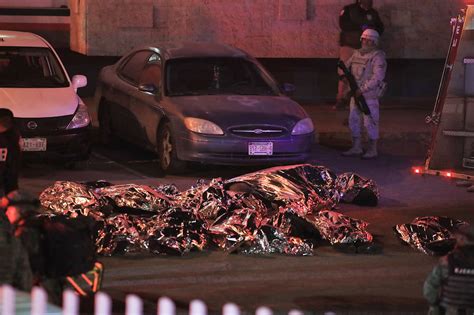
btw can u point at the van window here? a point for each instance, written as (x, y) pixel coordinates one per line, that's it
(30, 67)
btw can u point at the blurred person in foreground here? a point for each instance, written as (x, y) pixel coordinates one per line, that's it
(449, 288)
(54, 252)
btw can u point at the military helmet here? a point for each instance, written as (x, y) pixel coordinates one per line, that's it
(371, 34)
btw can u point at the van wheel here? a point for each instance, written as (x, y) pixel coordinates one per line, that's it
(166, 149)
(105, 123)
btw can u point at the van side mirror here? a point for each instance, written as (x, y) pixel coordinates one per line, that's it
(149, 88)
(79, 81)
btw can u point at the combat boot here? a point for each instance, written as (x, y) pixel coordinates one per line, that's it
(356, 148)
(371, 152)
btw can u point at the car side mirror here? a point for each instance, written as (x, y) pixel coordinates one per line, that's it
(288, 88)
(79, 81)
(149, 88)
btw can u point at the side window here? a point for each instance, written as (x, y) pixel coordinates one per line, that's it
(151, 73)
(134, 65)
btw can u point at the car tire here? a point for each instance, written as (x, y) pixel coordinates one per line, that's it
(166, 149)
(105, 123)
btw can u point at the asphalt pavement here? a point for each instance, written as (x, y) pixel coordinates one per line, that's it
(346, 283)
(402, 128)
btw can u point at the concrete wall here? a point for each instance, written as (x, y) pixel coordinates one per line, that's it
(264, 28)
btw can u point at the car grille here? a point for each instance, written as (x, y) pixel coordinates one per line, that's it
(243, 155)
(258, 131)
(50, 124)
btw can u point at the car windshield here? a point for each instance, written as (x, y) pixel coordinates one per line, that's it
(216, 76)
(30, 67)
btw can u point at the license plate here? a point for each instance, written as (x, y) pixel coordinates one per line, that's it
(261, 148)
(33, 144)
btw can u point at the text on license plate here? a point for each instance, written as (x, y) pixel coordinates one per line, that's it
(33, 144)
(260, 148)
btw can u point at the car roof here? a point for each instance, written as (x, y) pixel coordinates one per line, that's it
(198, 49)
(21, 39)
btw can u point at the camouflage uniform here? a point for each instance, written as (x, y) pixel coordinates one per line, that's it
(353, 19)
(369, 71)
(449, 288)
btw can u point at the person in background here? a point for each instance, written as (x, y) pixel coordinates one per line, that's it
(10, 152)
(353, 20)
(368, 66)
(449, 288)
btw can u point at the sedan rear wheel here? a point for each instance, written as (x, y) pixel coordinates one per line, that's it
(169, 162)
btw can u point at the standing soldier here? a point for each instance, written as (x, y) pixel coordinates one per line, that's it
(368, 66)
(353, 20)
(449, 288)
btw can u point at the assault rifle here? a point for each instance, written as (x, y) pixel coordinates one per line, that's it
(359, 100)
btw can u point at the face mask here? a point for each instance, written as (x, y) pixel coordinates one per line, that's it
(366, 49)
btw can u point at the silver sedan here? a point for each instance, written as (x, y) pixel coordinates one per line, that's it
(201, 102)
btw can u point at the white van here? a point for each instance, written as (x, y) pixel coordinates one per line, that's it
(52, 119)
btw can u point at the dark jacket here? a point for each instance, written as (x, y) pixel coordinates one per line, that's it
(9, 160)
(353, 20)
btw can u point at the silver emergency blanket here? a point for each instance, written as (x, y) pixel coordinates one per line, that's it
(277, 210)
(71, 199)
(139, 197)
(356, 189)
(432, 235)
(340, 229)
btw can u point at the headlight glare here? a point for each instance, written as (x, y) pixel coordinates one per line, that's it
(81, 118)
(202, 126)
(302, 127)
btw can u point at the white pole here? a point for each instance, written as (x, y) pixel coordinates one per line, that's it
(197, 307)
(70, 303)
(230, 309)
(263, 310)
(133, 305)
(166, 306)
(39, 301)
(102, 304)
(8, 300)
(295, 312)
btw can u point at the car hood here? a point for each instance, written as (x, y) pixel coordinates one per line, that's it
(231, 110)
(39, 103)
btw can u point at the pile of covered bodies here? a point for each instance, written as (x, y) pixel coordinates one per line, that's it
(277, 210)
(431, 235)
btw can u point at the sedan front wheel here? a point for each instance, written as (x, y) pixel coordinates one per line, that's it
(169, 162)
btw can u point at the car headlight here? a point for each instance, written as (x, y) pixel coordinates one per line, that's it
(80, 119)
(304, 126)
(202, 126)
